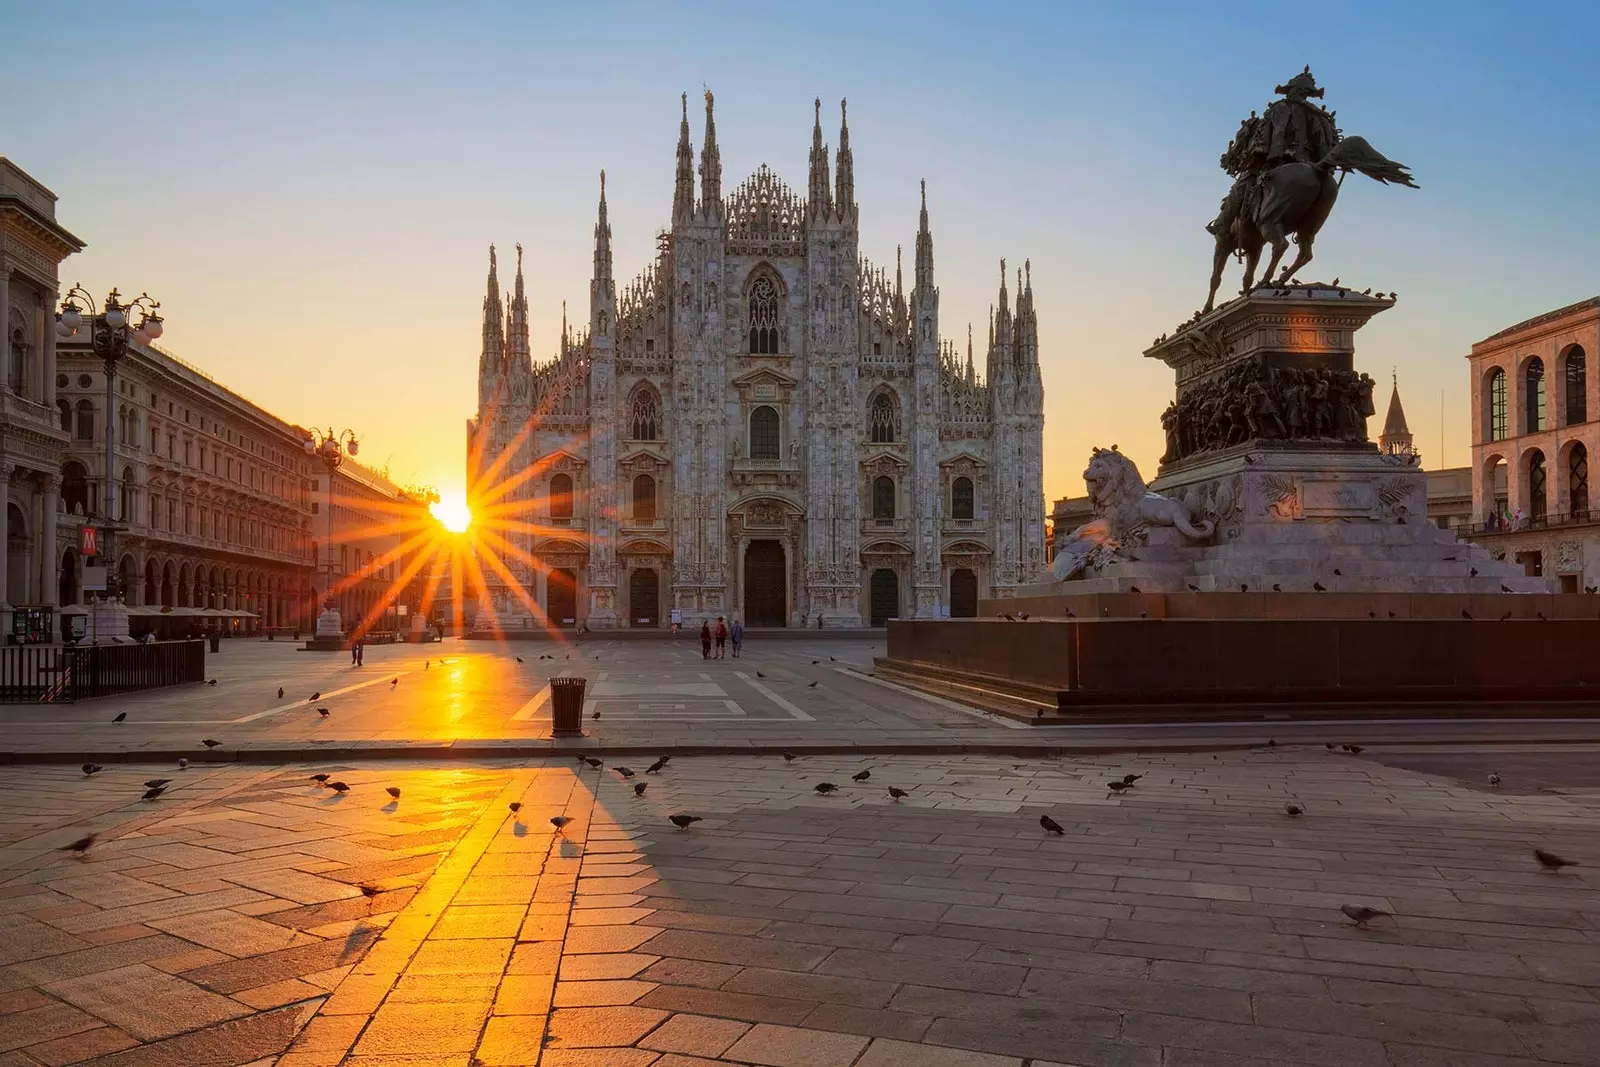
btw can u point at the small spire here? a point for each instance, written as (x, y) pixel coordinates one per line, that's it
(845, 167)
(899, 251)
(821, 196)
(924, 246)
(602, 239)
(710, 159)
(683, 192)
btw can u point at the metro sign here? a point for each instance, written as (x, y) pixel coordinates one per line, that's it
(88, 542)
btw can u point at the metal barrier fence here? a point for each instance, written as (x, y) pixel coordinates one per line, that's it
(54, 674)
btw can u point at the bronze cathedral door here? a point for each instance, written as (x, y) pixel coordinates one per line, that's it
(765, 584)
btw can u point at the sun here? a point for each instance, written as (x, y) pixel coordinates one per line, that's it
(452, 513)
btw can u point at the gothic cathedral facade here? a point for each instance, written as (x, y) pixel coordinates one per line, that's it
(761, 425)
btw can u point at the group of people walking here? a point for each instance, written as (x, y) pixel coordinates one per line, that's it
(721, 635)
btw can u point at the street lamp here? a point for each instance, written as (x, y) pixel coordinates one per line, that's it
(109, 335)
(330, 448)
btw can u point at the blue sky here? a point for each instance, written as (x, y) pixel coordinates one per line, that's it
(310, 189)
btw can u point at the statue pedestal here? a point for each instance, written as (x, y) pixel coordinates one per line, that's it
(1267, 444)
(108, 623)
(329, 634)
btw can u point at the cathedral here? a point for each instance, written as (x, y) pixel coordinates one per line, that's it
(760, 425)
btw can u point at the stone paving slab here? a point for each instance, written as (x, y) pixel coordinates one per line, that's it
(1188, 923)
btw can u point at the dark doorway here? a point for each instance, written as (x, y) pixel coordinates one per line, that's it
(67, 585)
(644, 596)
(963, 594)
(885, 596)
(765, 580)
(561, 597)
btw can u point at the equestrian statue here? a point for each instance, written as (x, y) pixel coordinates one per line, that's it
(1287, 166)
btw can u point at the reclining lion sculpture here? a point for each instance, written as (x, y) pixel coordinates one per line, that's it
(1124, 510)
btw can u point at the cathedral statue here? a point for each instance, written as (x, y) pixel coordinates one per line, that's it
(1287, 165)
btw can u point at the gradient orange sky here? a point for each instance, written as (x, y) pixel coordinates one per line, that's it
(311, 193)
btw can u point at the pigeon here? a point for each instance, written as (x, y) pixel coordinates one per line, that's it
(639, 788)
(151, 794)
(321, 779)
(323, 712)
(515, 806)
(90, 769)
(156, 783)
(1504, 588)
(1550, 861)
(1243, 587)
(861, 776)
(81, 845)
(280, 692)
(1276, 588)
(1330, 746)
(788, 757)
(1192, 587)
(811, 685)
(760, 675)
(1129, 779)
(315, 696)
(393, 682)
(519, 659)
(1023, 615)
(210, 743)
(427, 663)
(1339, 572)
(368, 891)
(1117, 787)
(1361, 914)
(1506, 616)
(1133, 589)
(560, 822)
(1051, 825)
(591, 761)
(825, 788)
(1494, 779)
(898, 793)
(1465, 614)
(626, 772)
(815, 662)
(596, 714)
(1319, 587)
(1474, 571)
(1294, 811)
(393, 791)
(211, 681)
(832, 660)
(338, 787)
(683, 822)
(183, 764)
(655, 767)
(121, 717)
(1354, 750)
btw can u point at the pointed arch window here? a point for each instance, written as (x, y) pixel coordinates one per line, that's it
(645, 411)
(1577, 375)
(1497, 405)
(764, 316)
(883, 421)
(883, 497)
(644, 498)
(764, 437)
(1533, 376)
(1538, 496)
(961, 498)
(561, 496)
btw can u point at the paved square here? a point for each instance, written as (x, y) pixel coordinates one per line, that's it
(251, 914)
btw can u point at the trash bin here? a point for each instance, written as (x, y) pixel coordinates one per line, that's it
(216, 642)
(566, 706)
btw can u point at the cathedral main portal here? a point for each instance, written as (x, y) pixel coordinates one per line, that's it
(765, 580)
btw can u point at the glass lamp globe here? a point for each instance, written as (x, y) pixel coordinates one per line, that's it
(152, 327)
(72, 318)
(63, 330)
(116, 318)
(310, 446)
(353, 447)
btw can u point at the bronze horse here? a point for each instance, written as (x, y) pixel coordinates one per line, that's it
(1291, 200)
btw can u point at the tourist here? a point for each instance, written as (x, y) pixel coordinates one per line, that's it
(722, 637)
(355, 652)
(705, 640)
(737, 634)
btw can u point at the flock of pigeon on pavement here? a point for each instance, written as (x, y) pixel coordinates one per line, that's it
(1360, 914)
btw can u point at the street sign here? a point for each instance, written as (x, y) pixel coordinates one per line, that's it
(88, 544)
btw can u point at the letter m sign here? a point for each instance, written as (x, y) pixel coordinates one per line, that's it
(88, 543)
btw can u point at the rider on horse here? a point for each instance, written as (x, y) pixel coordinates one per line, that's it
(1293, 130)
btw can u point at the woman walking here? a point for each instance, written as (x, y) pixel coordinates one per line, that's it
(737, 636)
(705, 639)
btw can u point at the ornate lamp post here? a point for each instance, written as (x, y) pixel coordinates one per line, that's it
(110, 332)
(331, 448)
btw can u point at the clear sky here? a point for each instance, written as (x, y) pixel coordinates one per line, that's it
(310, 188)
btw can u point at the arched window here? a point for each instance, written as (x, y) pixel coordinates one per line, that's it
(65, 406)
(764, 317)
(1578, 481)
(85, 431)
(1577, 367)
(1538, 498)
(126, 501)
(646, 411)
(1533, 378)
(1497, 405)
(961, 498)
(882, 421)
(561, 496)
(644, 498)
(17, 377)
(75, 488)
(764, 443)
(883, 497)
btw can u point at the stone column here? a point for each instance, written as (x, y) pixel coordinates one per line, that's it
(5, 326)
(49, 557)
(5, 548)
(48, 379)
